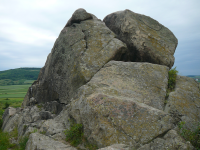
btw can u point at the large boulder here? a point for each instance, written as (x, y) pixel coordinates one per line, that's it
(84, 45)
(41, 142)
(184, 103)
(120, 104)
(146, 38)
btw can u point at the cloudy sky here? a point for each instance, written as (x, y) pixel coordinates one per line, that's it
(29, 28)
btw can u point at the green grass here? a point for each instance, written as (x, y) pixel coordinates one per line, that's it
(13, 96)
(75, 136)
(13, 91)
(5, 143)
(29, 81)
(188, 135)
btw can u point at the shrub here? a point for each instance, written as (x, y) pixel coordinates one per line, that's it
(188, 135)
(172, 78)
(75, 134)
(4, 141)
(172, 74)
(1, 123)
(6, 105)
(23, 142)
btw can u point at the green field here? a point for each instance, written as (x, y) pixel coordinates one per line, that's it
(13, 95)
(13, 91)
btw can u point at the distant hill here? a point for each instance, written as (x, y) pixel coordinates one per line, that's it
(196, 77)
(18, 76)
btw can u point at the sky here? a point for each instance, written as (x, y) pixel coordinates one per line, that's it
(29, 28)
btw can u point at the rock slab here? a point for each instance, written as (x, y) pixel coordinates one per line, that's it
(41, 142)
(146, 38)
(184, 103)
(110, 114)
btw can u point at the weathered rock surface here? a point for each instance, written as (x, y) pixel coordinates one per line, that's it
(87, 79)
(144, 82)
(184, 103)
(78, 53)
(78, 16)
(146, 38)
(111, 115)
(171, 141)
(41, 142)
(116, 147)
(10, 119)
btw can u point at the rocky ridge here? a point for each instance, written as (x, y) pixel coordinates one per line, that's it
(112, 78)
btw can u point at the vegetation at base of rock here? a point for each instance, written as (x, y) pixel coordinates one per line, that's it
(188, 135)
(23, 142)
(75, 134)
(5, 142)
(75, 137)
(1, 122)
(6, 105)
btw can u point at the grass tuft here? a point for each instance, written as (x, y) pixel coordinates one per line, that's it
(172, 74)
(188, 135)
(75, 134)
(22, 143)
(172, 78)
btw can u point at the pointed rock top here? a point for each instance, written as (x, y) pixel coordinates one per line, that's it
(78, 16)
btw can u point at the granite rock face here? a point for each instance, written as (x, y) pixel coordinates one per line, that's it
(41, 142)
(171, 141)
(112, 109)
(146, 38)
(81, 49)
(184, 103)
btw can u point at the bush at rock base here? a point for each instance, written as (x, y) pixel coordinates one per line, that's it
(75, 134)
(188, 135)
(5, 142)
(23, 142)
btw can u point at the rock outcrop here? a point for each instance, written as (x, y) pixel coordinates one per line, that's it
(78, 53)
(146, 38)
(184, 103)
(119, 104)
(114, 83)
